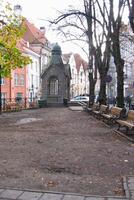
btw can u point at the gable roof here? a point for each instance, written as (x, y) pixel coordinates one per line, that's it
(21, 44)
(33, 34)
(85, 64)
(24, 47)
(79, 61)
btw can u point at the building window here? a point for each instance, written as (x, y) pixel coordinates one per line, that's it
(19, 97)
(37, 82)
(3, 95)
(3, 98)
(36, 64)
(19, 94)
(2, 81)
(53, 86)
(32, 65)
(22, 80)
(45, 60)
(16, 79)
(32, 79)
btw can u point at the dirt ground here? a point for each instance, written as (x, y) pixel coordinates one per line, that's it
(62, 150)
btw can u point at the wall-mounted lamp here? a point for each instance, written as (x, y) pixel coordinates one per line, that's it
(90, 70)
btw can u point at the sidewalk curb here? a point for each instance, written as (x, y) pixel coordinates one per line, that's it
(125, 185)
(123, 135)
(64, 193)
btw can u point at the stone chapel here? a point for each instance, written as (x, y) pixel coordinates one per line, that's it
(56, 79)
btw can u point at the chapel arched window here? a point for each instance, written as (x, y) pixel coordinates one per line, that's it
(53, 86)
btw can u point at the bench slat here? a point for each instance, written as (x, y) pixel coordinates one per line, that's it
(128, 123)
(114, 114)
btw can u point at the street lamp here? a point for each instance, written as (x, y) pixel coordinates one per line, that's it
(31, 90)
(90, 71)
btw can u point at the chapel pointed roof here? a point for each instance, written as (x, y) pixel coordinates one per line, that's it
(56, 58)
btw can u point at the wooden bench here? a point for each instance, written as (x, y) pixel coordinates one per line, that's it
(114, 114)
(102, 110)
(13, 106)
(128, 123)
(95, 107)
(83, 104)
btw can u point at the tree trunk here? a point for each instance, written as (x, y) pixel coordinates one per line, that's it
(131, 13)
(92, 83)
(119, 62)
(116, 50)
(120, 84)
(102, 93)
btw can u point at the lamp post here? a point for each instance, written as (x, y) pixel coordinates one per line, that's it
(31, 92)
(90, 72)
(108, 80)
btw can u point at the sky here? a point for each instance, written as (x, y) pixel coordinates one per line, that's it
(37, 11)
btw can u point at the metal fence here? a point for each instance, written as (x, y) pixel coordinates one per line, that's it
(9, 104)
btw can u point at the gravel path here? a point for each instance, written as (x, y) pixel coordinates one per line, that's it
(58, 149)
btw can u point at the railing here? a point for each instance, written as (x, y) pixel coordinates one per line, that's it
(23, 103)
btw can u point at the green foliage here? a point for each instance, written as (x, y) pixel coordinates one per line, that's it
(11, 31)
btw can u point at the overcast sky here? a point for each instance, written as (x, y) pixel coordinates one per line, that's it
(35, 10)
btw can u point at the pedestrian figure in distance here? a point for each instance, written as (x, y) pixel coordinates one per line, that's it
(128, 101)
(132, 102)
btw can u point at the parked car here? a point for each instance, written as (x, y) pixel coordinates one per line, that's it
(80, 98)
(96, 98)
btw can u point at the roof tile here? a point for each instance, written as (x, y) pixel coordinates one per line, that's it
(33, 34)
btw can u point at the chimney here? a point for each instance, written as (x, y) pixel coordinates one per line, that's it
(17, 10)
(42, 29)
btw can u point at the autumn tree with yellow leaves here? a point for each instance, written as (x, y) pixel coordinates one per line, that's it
(11, 31)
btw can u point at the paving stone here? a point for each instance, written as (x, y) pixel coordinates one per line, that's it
(94, 198)
(5, 199)
(73, 197)
(132, 195)
(12, 194)
(30, 196)
(48, 196)
(131, 186)
(131, 179)
(114, 198)
(1, 190)
(76, 108)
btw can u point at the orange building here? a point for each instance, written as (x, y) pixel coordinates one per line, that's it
(25, 82)
(15, 86)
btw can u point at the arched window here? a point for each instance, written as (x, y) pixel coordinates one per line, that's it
(53, 86)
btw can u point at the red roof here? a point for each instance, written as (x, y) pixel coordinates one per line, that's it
(33, 34)
(85, 64)
(79, 61)
(21, 44)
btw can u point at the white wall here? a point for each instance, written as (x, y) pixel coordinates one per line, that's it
(33, 75)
